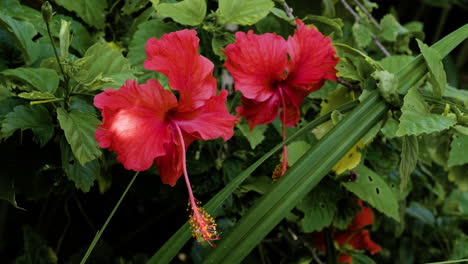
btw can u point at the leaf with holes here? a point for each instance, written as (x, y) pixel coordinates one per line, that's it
(371, 188)
(319, 207)
(416, 118)
(79, 128)
(34, 117)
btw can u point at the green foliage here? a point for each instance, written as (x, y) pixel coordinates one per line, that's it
(243, 12)
(437, 76)
(36, 249)
(186, 12)
(34, 117)
(409, 159)
(44, 80)
(458, 147)
(79, 128)
(416, 118)
(254, 136)
(371, 188)
(91, 11)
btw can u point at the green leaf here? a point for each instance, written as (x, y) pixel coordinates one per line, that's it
(362, 35)
(36, 118)
(437, 76)
(361, 259)
(422, 213)
(79, 128)
(243, 12)
(22, 32)
(136, 48)
(408, 161)
(460, 248)
(388, 86)
(296, 150)
(255, 136)
(132, 6)
(354, 65)
(335, 23)
(416, 118)
(81, 39)
(36, 249)
(187, 12)
(394, 63)
(390, 28)
(44, 80)
(82, 175)
(4, 92)
(103, 67)
(371, 188)
(93, 12)
(319, 207)
(457, 175)
(220, 41)
(458, 148)
(36, 96)
(7, 187)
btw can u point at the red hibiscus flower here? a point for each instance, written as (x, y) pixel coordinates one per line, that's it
(273, 73)
(146, 124)
(354, 237)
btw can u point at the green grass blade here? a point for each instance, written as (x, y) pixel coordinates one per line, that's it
(178, 240)
(297, 182)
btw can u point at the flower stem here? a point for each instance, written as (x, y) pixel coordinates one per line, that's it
(283, 134)
(99, 233)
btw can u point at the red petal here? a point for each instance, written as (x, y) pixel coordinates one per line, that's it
(134, 122)
(343, 258)
(176, 56)
(209, 121)
(258, 113)
(363, 218)
(256, 62)
(170, 165)
(362, 240)
(312, 58)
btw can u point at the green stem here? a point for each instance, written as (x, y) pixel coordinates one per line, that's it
(99, 233)
(330, 246)
(449, 261)
(47, 101)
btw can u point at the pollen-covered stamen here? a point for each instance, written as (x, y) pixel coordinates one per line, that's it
(203, 225)
(283, 133)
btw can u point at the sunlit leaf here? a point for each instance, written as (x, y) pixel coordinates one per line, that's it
(243, 12)
(44, 80)
(254, 136)
(93, 12)
(437, 76)
(186, 12)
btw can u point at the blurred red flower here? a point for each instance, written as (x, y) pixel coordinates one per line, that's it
(354, 236)
(273, 73)
(146, 124)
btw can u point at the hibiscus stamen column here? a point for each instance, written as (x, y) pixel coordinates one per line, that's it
(283, 133)
(203, 225)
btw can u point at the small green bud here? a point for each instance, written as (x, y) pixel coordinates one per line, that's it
(46, 9)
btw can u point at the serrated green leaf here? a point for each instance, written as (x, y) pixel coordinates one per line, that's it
(45, 80)
(394, 63)
(4, 92)
(36, 96)
(437, 76)
(82, 175)
(187, 12)
(354, 65)
(103, 67)
(416, 118)
(79, 128)
(243, 12)
(319, 207)
(280, 13)
(23, 32)
(255, 137)
(136, 48)
(36, 118)
(408, 161)
(362, 34)
(458, 148)
(93, 12)
(371, 188)
(457, 175)
(390, 28)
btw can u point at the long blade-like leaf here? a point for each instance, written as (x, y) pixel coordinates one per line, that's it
(178, 240)
(315, 164)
